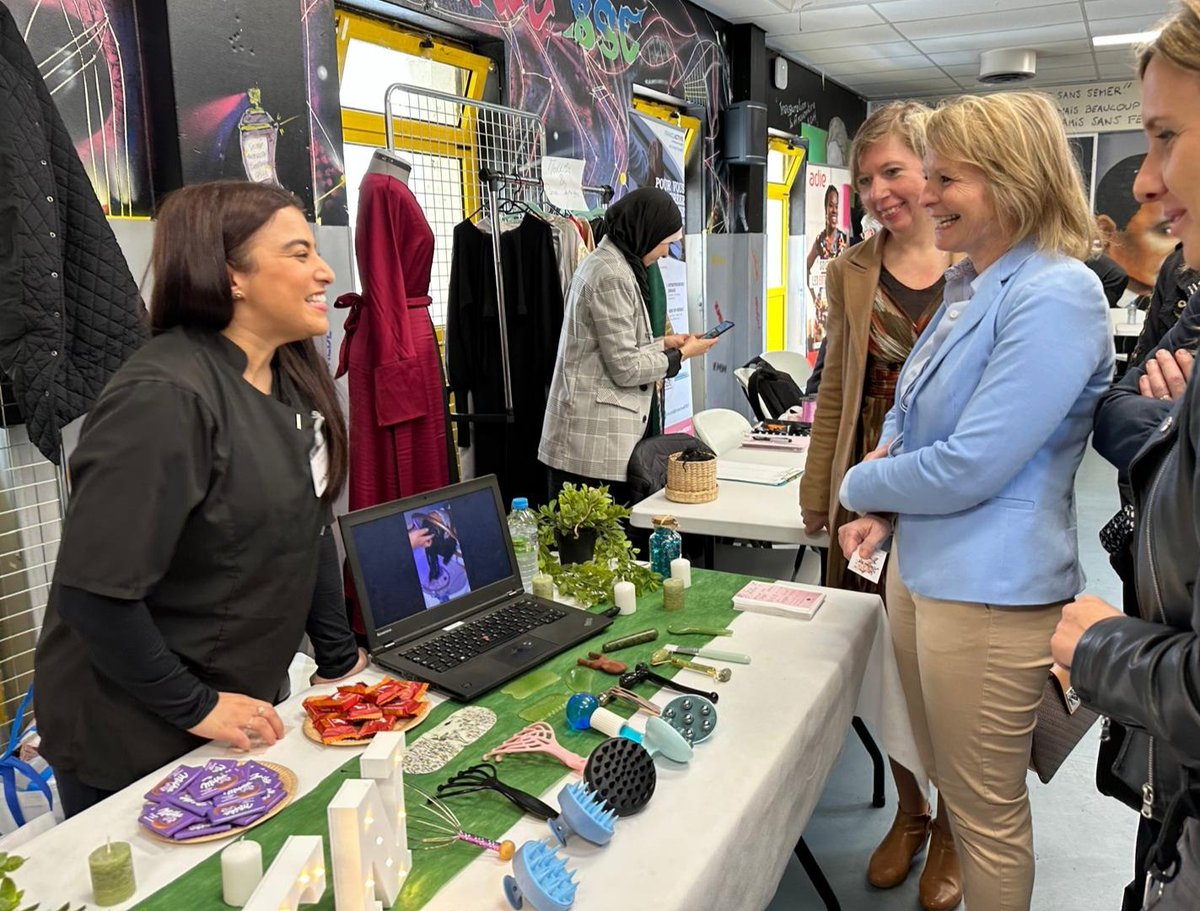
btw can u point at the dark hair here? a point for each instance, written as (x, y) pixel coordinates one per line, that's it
(834, 190)
(1114, 192)
(204, 230)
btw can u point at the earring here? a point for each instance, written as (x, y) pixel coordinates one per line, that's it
(238, 295)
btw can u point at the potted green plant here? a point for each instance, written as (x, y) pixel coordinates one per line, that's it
(578, 518)
(587, 518)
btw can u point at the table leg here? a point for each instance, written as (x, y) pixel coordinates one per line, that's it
(860, 728)
(816, 875)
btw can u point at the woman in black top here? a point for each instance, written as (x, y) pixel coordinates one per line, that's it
(196, 550)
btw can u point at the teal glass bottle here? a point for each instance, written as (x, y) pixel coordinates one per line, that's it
(665, 545)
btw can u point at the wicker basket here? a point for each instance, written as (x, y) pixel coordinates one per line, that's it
(691, 482)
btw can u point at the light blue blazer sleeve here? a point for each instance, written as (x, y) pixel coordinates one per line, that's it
(1039, 353)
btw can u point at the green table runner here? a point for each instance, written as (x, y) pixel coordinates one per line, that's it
(484, 813)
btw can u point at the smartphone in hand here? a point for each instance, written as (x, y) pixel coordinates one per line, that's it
(719, 329)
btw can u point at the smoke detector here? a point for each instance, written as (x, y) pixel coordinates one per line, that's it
(1013, 65)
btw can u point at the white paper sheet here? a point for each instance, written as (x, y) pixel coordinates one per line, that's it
(563, 181)
(773, 475)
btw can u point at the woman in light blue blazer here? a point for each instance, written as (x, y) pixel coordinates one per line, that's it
(975, 481)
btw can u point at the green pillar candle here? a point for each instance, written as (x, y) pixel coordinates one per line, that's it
(673, 594)
(543, 586)
(112, 873)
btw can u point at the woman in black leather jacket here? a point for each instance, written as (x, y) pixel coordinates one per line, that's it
(1143, 671)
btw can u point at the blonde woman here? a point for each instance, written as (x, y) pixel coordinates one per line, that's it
(882, 293)
(977, 467)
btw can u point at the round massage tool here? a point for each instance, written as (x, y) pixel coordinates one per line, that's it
(622, 774)
(583, 815)
(540, 877)
(692, 716)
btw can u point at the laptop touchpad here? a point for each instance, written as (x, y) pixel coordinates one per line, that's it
(521, 650)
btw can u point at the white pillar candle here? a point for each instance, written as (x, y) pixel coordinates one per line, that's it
(681, 568)
(625, 597)
(241, 871)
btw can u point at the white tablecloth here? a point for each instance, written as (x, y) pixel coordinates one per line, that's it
(718, 831)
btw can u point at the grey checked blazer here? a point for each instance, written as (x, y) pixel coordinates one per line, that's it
(604, 374)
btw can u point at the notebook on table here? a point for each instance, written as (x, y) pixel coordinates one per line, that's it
(780, 599)
(441, 595)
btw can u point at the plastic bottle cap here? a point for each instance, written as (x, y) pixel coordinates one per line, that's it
(520, 503)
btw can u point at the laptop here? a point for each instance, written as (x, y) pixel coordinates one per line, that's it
(441, 594)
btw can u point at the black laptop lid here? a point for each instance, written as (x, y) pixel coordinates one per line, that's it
(424, 562)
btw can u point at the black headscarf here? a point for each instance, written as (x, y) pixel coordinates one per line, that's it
(637, 223)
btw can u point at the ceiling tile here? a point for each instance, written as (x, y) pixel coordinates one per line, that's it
(817, 20)
(901, 86)
(850, 37)
(1123, 26)
(894, 64)
(746, 9)
(819, 56)
(908, 10)
(854, 71)
(1033, 38)
(1120, 9)
(1052, 14)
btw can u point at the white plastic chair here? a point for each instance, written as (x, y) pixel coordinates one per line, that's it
(793, 363)
(720, 429)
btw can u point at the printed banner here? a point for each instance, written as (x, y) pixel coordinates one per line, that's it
(827, 223)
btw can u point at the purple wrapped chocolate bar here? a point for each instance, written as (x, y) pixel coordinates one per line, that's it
(243, 812)
(256, 784)
(209, 784)
(201, 829)
(175, 783)
(250, 768)
(166, 820)
(186, 801)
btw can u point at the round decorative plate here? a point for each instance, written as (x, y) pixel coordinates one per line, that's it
(287, 779)
(407, 724)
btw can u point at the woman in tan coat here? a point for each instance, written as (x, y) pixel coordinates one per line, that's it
(881, 294)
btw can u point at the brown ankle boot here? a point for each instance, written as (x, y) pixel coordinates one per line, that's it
(941, 881)
(891, 861)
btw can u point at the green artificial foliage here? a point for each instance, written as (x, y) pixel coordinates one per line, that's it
(584, 507)
(10, 895)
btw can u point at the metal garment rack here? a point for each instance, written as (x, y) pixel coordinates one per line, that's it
(467, 152)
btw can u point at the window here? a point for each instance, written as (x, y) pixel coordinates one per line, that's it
(437, 135)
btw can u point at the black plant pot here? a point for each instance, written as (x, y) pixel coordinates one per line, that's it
(579, 549)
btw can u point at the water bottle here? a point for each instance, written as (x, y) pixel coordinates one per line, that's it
(1131, 310)
(665, 545)
(522, 526)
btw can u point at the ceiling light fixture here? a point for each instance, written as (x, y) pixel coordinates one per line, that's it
(1128, 38)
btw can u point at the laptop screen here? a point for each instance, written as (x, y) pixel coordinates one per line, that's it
(422, 553)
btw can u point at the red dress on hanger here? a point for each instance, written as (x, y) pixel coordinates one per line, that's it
(397, 406)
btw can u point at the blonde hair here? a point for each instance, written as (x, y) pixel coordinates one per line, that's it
(904, 120)
(1018, 140)
(1179, 40)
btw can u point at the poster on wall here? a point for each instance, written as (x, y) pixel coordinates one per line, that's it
(1137, 235)
(827, 231)
(1083, 148)
(656, 159)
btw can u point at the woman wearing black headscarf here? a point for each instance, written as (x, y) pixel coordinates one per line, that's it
(608, 360)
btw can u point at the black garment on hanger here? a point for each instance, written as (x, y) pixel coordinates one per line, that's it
(534, 311)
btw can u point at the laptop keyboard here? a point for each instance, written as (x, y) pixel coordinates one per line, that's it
(465, 642)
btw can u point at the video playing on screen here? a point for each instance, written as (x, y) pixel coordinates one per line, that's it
(437, 553)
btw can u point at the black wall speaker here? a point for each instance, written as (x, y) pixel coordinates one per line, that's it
(746, 133)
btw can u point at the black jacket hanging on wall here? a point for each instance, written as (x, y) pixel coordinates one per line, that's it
(70, 313)
(534, 310)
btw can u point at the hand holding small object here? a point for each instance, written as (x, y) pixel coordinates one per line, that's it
(863, 535)
(238, 720)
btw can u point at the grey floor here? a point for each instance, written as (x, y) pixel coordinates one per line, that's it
(1083, 842)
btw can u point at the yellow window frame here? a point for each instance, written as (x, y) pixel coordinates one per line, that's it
(421, 137)
(777, 304)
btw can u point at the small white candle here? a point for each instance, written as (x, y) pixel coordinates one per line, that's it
(241, 871)
(681, 568)
(625, 597)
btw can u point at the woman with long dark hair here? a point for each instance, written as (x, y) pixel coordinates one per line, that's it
(196, 550)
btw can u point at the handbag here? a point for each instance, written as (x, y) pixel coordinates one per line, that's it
(1062, 720)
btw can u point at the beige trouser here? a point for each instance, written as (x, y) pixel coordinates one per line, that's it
(973, 677)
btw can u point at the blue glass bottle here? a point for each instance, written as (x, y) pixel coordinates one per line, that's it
(665, 545)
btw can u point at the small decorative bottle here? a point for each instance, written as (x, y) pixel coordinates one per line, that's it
(665, 545)
(259, 134)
